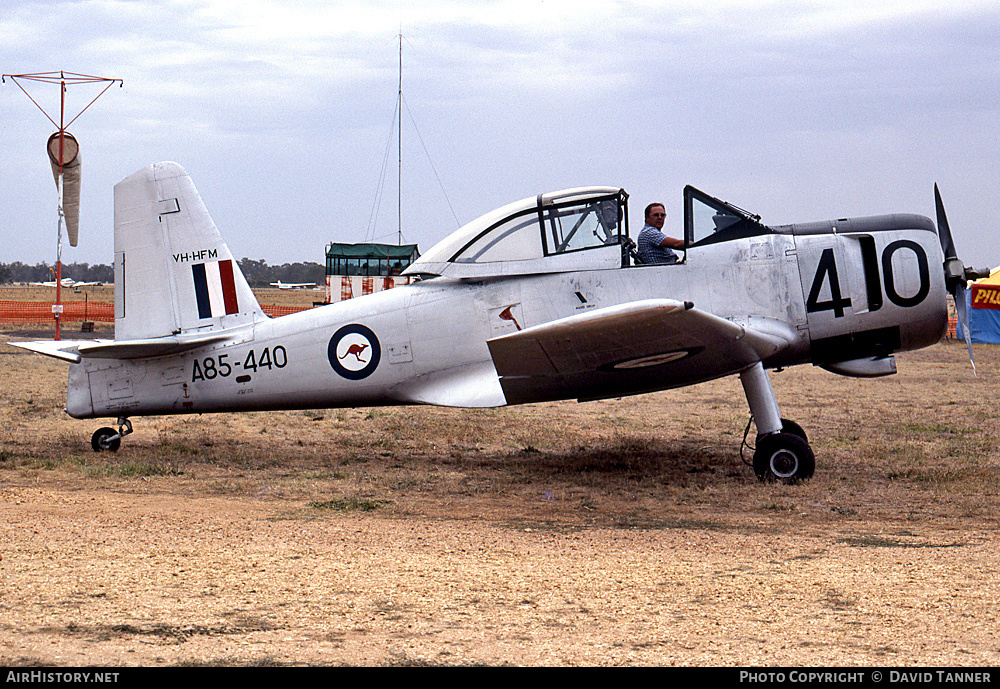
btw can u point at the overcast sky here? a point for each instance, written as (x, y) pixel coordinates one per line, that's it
(282, 111)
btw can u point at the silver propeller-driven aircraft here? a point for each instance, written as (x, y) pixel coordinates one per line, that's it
(293, 285)
(540, 300)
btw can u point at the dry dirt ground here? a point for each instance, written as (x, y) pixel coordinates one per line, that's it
(622, 532)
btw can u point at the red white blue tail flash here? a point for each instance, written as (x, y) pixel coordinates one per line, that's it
(215, 288)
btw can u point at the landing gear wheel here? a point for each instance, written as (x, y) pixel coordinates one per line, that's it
(793, 428)
(106, 439)
(784, 457)
(789, 427)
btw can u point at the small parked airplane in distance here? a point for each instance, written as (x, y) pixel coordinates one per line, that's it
(293, 285)
(68, 283)
(540, 300)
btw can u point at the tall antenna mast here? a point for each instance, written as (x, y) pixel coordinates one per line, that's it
(399, 147)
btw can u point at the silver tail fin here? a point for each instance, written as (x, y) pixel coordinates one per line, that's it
(174, 274)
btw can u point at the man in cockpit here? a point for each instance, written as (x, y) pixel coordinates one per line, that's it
(653, 245)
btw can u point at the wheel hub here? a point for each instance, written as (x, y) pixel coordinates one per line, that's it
(784, 464)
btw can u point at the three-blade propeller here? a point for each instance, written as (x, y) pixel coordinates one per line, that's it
(956, 275)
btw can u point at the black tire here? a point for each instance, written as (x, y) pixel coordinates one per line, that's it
(793, 428)
(783, 457)
(99, 441)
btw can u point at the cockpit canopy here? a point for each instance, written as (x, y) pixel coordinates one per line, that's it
(708, 220)
(575, 229)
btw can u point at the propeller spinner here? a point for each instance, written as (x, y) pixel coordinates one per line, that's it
(956, 275)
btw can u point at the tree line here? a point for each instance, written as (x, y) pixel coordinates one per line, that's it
(258, 273)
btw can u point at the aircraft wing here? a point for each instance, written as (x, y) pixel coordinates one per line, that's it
(637, 347)
(75, 350)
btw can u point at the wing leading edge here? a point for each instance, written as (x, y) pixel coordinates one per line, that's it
(632, 348)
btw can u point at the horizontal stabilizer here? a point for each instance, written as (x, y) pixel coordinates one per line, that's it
(76, 350)
(59, 349)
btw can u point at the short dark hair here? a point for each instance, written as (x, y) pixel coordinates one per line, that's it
(652, 206)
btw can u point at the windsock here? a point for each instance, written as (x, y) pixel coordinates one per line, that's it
(71, 179)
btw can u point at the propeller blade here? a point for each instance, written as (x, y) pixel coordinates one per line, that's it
(956, 275)
(962, 307)
(954, 271)
(944, 231)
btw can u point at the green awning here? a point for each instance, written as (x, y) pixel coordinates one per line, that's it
(400, 252)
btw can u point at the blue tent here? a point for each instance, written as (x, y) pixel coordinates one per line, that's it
(984, 324)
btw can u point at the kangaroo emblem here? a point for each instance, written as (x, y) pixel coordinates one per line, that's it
(356, 350)
(508, 316)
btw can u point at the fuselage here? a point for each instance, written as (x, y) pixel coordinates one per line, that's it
(836, 291)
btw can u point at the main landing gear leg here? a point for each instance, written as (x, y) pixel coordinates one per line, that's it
(783, 452)
(108, 439)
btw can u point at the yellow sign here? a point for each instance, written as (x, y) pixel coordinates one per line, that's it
(986, 297)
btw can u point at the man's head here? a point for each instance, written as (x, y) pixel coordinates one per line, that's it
(656, 215)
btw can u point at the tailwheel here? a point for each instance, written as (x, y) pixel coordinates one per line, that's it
(108, 439)
(784, 457)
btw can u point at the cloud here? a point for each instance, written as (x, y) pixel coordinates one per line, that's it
(282, 111)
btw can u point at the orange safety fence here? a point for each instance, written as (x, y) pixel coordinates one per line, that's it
(41, 311)
(275, 310)
(96, 311)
